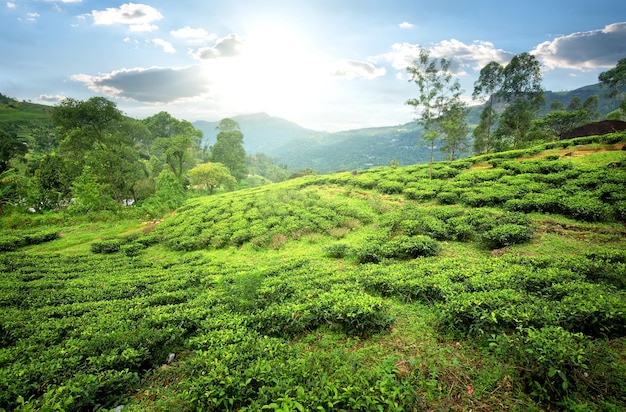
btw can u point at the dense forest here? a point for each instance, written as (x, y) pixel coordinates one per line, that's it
(145, 270)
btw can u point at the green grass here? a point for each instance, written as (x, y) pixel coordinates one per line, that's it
(241, 288)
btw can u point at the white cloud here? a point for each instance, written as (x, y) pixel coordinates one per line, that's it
(167, 46)
(463, 56)
(228, 46)
(48, 98)
(193, 35)
(594, 49)
(11, 5)
(138, 28)
(32, 16)
(406, 25)
(151, 85)
(137, 16)
(358, 70)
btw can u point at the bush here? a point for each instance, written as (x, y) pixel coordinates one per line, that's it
(376, 250)
(390, 187)
(106, 246)
(506, 235)
(9, 243)
(337, 250)
(584, 207)
(550, 358)
(447, 198)
(409, 247)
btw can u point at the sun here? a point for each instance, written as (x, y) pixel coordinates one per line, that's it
(276, 72)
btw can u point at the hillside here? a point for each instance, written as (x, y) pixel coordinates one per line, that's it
(500, 284)
(300, 148)
(15, 114)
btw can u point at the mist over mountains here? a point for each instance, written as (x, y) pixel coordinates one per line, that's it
(299, 148)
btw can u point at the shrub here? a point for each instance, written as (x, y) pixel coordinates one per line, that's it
(376, 249)
(336, 250)
(584, 207)
(421, 195)
(106, 246)
(550, 358)
(447, 198)
(390, 187)
(10, 243)
(506, 235)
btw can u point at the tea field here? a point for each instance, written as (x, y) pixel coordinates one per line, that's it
(500, 284)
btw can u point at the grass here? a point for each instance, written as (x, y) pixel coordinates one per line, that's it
(280, 325)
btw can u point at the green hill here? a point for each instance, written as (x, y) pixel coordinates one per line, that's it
(500, 284)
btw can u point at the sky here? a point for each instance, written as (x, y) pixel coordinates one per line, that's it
(324, 64)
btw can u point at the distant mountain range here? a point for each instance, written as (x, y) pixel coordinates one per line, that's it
(300, 148)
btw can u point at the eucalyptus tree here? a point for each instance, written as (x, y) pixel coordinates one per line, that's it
(438, 94)
(518, 86)
(522, 89)
(228, 149)
(488, 83)
(455, 129)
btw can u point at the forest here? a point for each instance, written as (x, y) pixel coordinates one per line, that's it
(143, 272)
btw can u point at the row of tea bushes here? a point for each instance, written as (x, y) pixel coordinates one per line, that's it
(549, 316)
(78, 332)
(261, 217)
(11, 242)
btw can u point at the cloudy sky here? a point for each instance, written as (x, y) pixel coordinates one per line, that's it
(324, 64)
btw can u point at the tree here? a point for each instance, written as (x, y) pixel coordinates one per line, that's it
(455, 129)
(438, 93)
(94, 134)
(558, 122)
(10, 147)
(8, 180)
(51, 183)
(516, 122)
(212, 176)
(615, 78)
(488, 83)
(175, 141)
(522, 92)
(228, 149)
(483, 132)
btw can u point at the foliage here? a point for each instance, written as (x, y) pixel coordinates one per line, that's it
(348, 291)
(212, 176)
(228, 150)
(439, 101)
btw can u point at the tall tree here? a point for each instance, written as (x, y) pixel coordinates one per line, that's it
(95, 135)
(483, 142)
(175, 141)
(228, 149)
(522, 90)
(615, 77)
(455, 129)
(488, 83)
(10, 146)
(438, 93)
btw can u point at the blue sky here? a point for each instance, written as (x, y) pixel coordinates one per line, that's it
(325, 64)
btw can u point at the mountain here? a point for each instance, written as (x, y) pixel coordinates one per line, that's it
(605, 104)
(300, 148)
(262, 133)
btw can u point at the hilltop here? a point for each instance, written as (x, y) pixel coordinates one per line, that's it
(497, 285)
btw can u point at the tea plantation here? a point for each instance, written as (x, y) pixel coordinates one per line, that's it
(499, 284)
